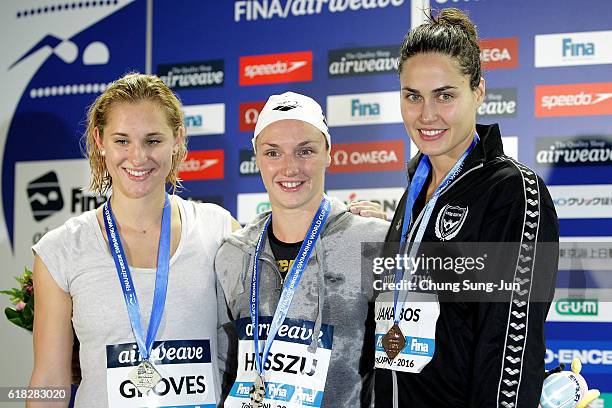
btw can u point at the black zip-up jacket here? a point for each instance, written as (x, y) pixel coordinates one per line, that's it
(487, 354)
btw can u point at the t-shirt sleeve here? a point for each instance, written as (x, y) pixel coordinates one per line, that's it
(53, 251)
(218, 220)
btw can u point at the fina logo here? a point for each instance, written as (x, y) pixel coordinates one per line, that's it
(364, 110)
(193, 121)
(572, 50)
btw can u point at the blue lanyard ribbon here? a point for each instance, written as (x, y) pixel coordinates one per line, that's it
(125, 277)
(291, 283)
(416, 185)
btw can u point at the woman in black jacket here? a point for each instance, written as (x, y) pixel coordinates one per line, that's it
(455, 351)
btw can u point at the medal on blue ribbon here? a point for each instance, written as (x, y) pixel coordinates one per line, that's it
(394, 341)
(258, 391)
(144, 376)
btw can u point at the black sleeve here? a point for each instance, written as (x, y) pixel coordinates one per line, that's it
(509, 343)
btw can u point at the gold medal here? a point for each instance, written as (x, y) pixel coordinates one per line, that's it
(258, 392)
(144, 377)
(393, 342)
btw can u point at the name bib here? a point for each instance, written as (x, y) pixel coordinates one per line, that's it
(417, 322)
(184, 365)
(294, 376)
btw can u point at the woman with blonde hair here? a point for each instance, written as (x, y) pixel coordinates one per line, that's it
(134, 277)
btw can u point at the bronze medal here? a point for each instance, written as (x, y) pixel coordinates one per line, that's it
(393, 342)
(258, 392)
(144, 377)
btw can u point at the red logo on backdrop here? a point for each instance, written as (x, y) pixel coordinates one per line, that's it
(249, 112)
(203, 165)
(573, 99)
(367, 156)
(276, 68)
(499, 53)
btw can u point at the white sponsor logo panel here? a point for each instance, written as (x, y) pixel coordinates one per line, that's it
(568, 49)
(582, 201)
(47, 193)
(250, 205)
(364, 109)
(206, 119)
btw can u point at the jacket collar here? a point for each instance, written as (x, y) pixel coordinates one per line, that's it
(246, 238)
(489, 147)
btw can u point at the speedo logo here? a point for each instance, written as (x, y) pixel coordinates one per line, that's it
(577, 307)
(574, 99)
(276, 68)
(279, 67)
(202, 165)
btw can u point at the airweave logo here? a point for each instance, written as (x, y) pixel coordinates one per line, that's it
(248, 167)
(188, 75)
(499, 102)
(45, 196)
(577, 307)
(276, 68)
(363, 61)
(573, 99)
(567, 49)
(498, 53)
(583, 151)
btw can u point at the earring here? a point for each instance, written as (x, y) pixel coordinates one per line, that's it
(102, 153)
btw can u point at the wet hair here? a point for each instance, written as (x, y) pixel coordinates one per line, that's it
(131, 88)
(451, 33)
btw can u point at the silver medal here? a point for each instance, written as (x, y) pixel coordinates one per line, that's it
(258, 392)
(144, 377)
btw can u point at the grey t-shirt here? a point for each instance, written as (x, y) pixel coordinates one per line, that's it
(79, 261)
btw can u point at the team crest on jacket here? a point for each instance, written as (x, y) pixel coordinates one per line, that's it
(449, 222)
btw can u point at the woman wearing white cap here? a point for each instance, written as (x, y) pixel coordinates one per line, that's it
(290, 280)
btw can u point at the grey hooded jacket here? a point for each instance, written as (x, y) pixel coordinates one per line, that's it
(332, 291)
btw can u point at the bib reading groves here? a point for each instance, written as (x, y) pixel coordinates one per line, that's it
(294, 377)
(185, 367)
(417, 321)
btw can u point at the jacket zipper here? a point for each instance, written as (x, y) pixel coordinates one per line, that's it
(266, 258)
(395, 393)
